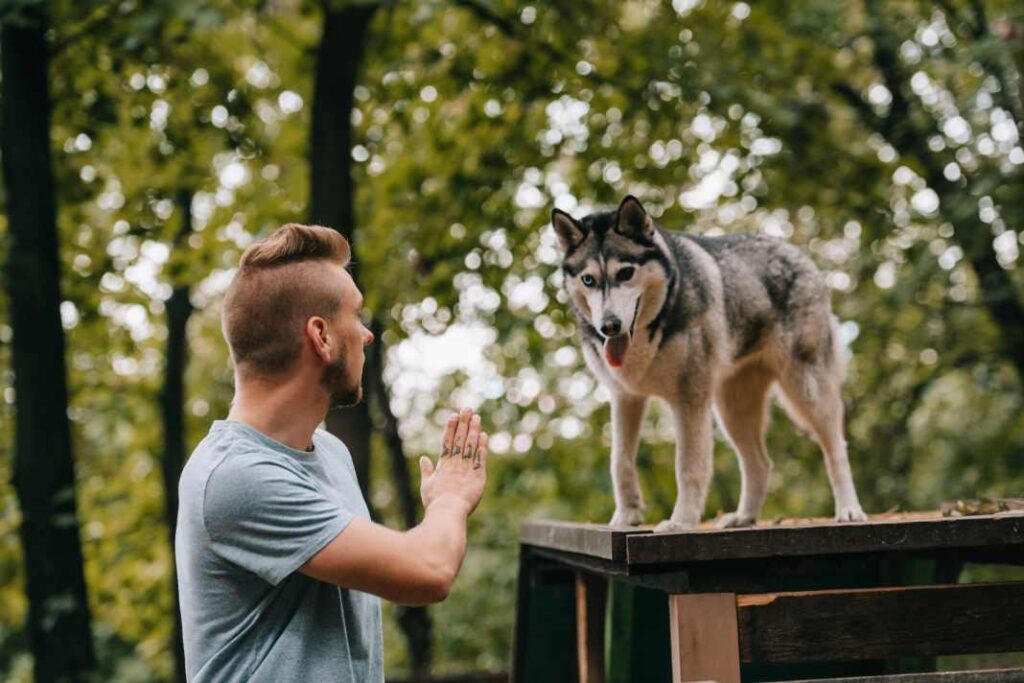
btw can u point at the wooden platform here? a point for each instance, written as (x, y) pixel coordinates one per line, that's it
(794, 599)
(803, 537)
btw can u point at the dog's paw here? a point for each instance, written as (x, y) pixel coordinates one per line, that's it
(627, 517)
(851, 513)
(668, 526)
(734, 520)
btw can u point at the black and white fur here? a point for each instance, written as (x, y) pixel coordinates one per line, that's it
(710, 325)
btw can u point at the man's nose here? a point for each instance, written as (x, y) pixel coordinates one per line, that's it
(367, 337)
(611, 326)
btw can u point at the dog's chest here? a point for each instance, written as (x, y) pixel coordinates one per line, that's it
(647, 369)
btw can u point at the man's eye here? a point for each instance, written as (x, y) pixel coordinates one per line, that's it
(587, 280)
(625, 275)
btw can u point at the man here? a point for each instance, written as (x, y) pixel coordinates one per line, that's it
(279, 566)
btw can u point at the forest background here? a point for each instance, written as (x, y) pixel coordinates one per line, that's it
(146, 144)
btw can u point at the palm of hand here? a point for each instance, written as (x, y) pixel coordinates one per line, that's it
(461, 467)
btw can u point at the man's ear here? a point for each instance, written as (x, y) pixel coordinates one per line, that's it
(316, 332)
(570, 232)
(632, 221)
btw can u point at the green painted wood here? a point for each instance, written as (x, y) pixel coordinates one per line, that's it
(637, 645)
(545, 638)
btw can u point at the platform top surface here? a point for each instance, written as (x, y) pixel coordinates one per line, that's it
(794, 537)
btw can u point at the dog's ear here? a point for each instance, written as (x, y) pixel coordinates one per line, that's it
(632, 220)
(570, 232)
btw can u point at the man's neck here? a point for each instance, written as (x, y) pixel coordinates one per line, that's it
(288, 412)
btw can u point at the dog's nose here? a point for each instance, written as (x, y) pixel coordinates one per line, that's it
(611, 326)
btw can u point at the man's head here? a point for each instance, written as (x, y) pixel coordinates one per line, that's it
(294, 308)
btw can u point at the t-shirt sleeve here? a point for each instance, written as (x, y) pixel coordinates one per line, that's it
(267, 518)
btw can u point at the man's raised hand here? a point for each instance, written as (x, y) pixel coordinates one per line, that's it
(461, 470)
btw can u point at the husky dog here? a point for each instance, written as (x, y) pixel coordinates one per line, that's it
(709, 325)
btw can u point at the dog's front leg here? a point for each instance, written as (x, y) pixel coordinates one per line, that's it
(627, 417)
(694, 460)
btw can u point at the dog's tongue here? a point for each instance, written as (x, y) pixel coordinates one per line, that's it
(615, 349)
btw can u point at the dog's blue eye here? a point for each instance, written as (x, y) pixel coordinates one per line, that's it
(587, 280)
(625, 274)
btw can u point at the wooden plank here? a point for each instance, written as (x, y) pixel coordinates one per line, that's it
(838, 625)
(591, 593)
(1004, 532)
(470, 677)
(986, 676)
(705, 646)
(595, 540)
(767, 575)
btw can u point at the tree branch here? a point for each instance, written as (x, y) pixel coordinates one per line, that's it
(979, 31)
(510, 29)
(999, 294)
(96, 20)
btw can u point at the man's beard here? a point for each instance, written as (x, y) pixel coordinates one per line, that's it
(344, 390)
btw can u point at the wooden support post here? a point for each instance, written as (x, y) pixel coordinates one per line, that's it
(545, 623)
(705, 642)
(591, 595)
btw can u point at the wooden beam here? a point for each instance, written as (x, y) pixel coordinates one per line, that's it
(983, 676)
(594, 540)
(1003, 533)
(840, 625)
(705, 645)
(591, 597)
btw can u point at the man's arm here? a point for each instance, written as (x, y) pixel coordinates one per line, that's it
(418, 566)
(415, 567)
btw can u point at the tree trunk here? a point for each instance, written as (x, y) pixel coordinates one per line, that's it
(342, 46)
(337, 63)
(44, 476)
(415, 621)
(172, 404)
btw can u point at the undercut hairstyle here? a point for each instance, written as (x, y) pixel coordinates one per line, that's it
(279, 286)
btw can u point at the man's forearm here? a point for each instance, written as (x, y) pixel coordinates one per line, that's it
(439, 541)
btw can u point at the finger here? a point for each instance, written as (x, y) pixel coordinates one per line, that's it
(449, 435)
(426, 467)
(480, 460)
(459, 443)
(472, 437)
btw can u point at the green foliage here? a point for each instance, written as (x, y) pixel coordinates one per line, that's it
(472, 120)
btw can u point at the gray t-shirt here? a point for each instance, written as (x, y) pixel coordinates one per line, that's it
(251, 512)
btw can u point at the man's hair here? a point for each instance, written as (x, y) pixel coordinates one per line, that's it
(276, 290)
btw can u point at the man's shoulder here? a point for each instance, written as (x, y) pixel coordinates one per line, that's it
(334, 452)
(331, 442)
(226, 454)
(247, 478)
